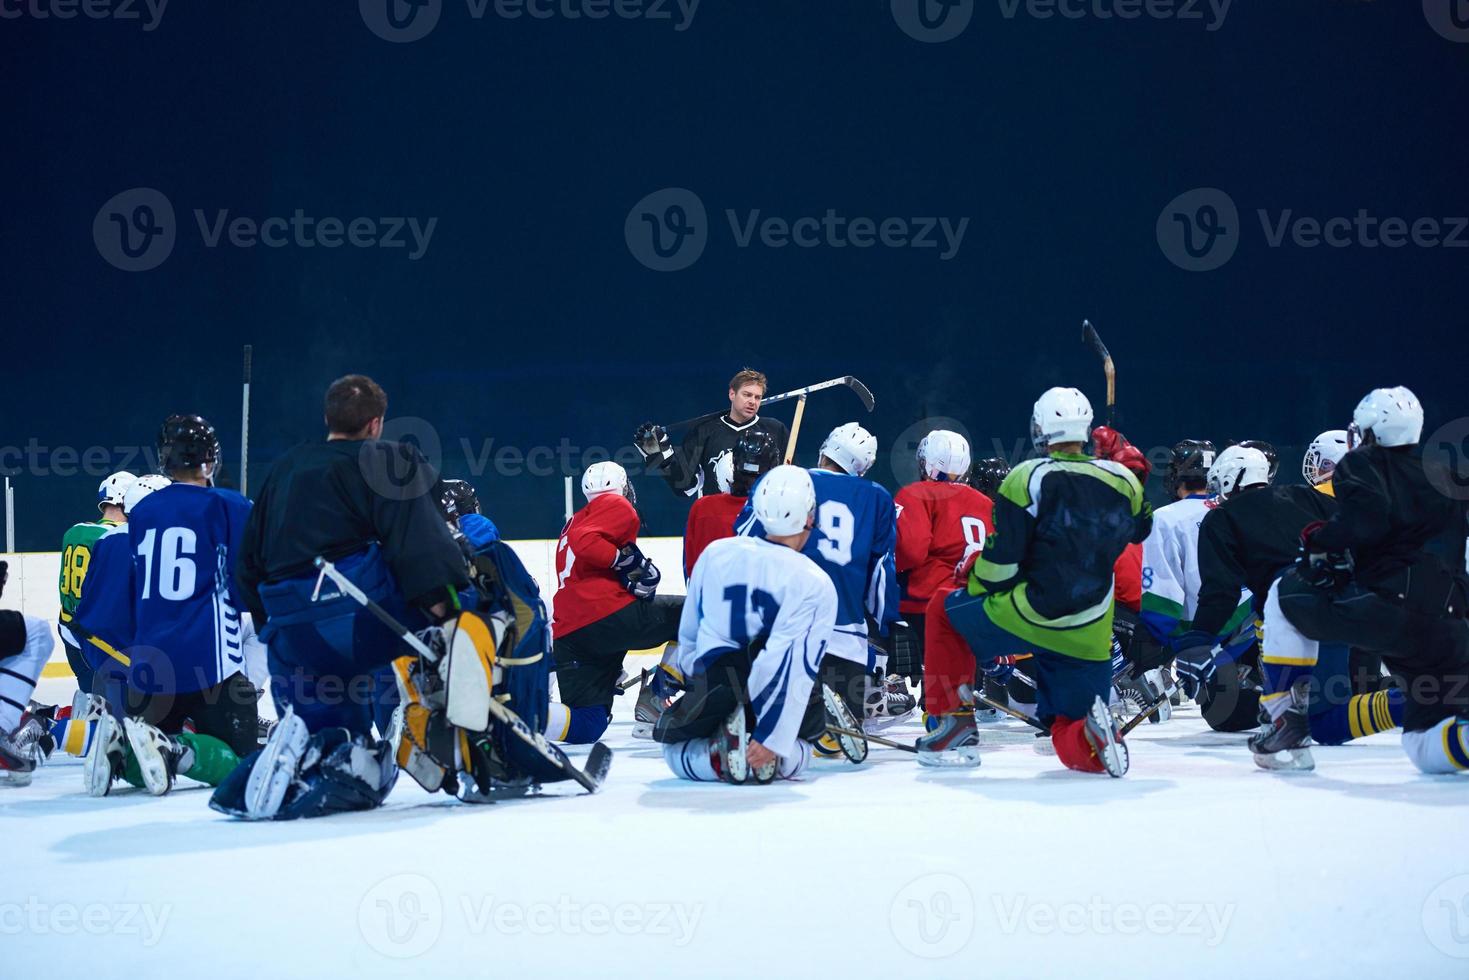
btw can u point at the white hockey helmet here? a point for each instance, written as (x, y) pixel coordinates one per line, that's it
(1390, 416)
(1060, 415)
(605, 477)
(113, 489)
(1238, 467)
(851, 447)
(943, 453)
(1325, 451)
(724, 471)
(785, 500)
(140, 488)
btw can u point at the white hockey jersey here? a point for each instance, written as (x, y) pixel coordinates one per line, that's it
(1171, 566)
(746, 589)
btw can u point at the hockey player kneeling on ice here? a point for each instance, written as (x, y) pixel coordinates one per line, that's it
(25, 646)
(942, 521)
(1384, 573)
(607, 604)
(368, 506)
(187, 707)
(1043, 585)
(853, 543)
(1247, 542)
(754, 629)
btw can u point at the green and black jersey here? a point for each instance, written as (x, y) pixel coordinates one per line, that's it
(1060, 524)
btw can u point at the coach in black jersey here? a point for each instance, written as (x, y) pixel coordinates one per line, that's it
(690, 468)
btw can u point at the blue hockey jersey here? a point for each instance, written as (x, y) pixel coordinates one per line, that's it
(856, 534)
(103, 622)
(186, 622)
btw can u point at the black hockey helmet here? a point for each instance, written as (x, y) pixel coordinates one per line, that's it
(1271, 456)
(456, 498)
(987, 475)
(1188, 465)
(186, 442)
(754, 453)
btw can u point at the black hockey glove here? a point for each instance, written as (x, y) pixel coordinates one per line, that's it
(652, 440)
(639, 575)
(1194, 661)
(1320, 569)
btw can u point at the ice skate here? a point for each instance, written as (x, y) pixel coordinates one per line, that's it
(158, 755)
(1283, 744)
(887, 703)
(276, 767)
(952, 742)
(838, 716)
(104, 762)
(649, 708)
(1105, 737)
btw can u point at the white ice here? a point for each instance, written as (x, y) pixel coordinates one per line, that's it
(1195, 864)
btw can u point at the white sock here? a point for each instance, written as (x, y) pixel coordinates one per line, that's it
(558, 721)
(792, 766)
(690, 760)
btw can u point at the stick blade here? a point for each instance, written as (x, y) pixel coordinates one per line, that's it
(863, 392)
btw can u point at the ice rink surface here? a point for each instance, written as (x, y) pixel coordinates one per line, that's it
(1196, 865)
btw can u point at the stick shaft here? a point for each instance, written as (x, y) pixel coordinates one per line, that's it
(245, 427)
(1006, 709)
(795, 429)
(874, 739)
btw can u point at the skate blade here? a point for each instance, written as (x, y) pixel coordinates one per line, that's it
(151, 764)
(855, 749)
(96, 766)
(1112, 753)
(274, 770)
(642, 729)
(1286, 760)
(960, 758)
(877, 724)
(14, 777)
(737, 765)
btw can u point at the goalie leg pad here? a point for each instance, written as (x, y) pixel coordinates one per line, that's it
(469, 670)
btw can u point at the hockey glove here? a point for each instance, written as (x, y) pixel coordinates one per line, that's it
(639, 575)
(652, 440)
(1319, 568)
(1000, 669)
(1113, 445)
(1194, 661)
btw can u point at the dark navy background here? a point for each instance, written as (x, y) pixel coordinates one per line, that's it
(529, 321)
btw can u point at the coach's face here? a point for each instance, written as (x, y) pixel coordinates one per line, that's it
(744, 404)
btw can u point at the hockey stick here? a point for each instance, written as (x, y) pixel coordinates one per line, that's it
(795, 429)
(598, 760)
(874, 739)
(858, 388)
(1090, 337)
(1138, 718)
(245, 428)
(1006, 709)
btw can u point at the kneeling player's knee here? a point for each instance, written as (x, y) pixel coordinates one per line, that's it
(1444, 748)
(586, 725)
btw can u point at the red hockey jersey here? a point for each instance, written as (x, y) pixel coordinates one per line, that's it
(587, 589)
(710, 519)
(937, 522)
(1128, 572)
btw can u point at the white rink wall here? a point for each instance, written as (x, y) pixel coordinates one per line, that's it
(33, 575)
